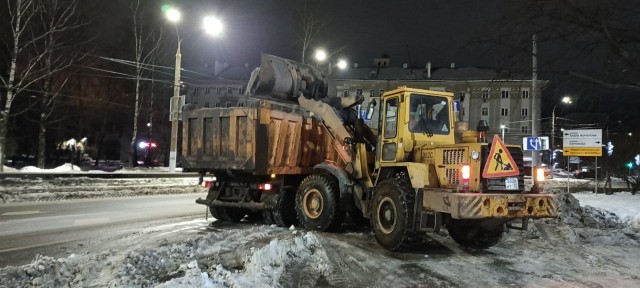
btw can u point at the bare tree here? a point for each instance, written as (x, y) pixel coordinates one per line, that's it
(147, 47)
(606, 33)
(309, 22)
(23, 67)
(57, 19)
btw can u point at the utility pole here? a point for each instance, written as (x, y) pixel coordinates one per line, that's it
(175, 112)
(535, 104)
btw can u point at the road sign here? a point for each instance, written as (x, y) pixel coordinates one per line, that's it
(582, 151)
(500, 162)
(582, 138)
(585, 142)
(535, 143)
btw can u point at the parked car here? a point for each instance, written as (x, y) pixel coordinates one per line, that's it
(585, 174)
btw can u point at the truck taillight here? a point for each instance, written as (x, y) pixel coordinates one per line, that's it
(265, 187)
(465, 174)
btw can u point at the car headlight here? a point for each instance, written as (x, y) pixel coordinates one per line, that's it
(475, 155)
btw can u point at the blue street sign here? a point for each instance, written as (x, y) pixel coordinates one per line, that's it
(535, 143)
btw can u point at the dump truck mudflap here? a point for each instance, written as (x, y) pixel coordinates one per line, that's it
(480, 205)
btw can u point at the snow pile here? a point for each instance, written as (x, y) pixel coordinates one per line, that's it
(67, 167)
(578, 224)
(25, 190)
(255, 257)
(571, 213)
(9, 169)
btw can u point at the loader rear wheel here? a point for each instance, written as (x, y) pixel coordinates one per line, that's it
(318, 203)
(470, 233)
(392, 212)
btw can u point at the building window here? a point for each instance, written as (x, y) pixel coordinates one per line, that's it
(381, 92)
(207, 90)
(372, 93)
(195, 91)
(241, 91)
(461, 96)
(485, 95)
(525, 94)
(217, 104)
(206, 104)
(525, 112)
(504, 94)
(504, 111)
(524, 129)
(485, 112)
(373, 75)
(228, 104)
(229, 90)
(345, 93)
(219, 90)
(358, 91)
(240, 104)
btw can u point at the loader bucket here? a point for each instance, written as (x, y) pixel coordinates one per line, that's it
(282, 79)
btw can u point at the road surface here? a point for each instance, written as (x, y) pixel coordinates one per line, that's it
(61, 228)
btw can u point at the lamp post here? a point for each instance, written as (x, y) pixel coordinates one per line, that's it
(565, 100)
(503, 127)
(211, 26)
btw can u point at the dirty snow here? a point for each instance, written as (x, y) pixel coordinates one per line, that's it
(592, 245)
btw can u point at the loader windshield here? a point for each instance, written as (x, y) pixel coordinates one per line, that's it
(429, 115)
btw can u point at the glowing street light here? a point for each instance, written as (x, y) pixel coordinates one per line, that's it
(503, 127)
(173, 15)
(342, 64)
(212, 25)
(321, 55)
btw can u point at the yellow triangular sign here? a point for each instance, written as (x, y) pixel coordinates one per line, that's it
(500, 162)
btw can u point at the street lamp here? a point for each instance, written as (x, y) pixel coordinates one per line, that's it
(342, 64)
(211, 26)
(565, 100)
(321, 55)
(503, 127)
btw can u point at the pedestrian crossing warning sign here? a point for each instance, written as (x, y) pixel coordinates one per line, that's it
(500, 162)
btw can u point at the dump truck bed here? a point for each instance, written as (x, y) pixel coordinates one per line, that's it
(260, 141)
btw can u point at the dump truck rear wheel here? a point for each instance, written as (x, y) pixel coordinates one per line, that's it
(217, 213)
(284, 214)
(234, 214)
(392, 212)
(318, 203)
(470, 234)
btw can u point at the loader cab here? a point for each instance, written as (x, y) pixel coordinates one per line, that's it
(413, 118)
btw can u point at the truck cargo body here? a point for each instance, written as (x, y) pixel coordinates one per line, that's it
(257, 141)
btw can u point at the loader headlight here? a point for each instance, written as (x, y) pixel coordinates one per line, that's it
(475, 155)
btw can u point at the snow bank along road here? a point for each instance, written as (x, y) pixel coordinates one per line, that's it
(25, 190)
(584, 247)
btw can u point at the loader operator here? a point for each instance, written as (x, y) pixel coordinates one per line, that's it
(428, 115)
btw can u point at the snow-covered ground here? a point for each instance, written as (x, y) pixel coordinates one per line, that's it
(70, 168)
(585, 247)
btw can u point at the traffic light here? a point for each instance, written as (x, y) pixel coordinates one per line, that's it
(630, 165)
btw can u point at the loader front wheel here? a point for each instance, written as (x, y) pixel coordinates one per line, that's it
(471, 234)
(318, 203)
(392, 212)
